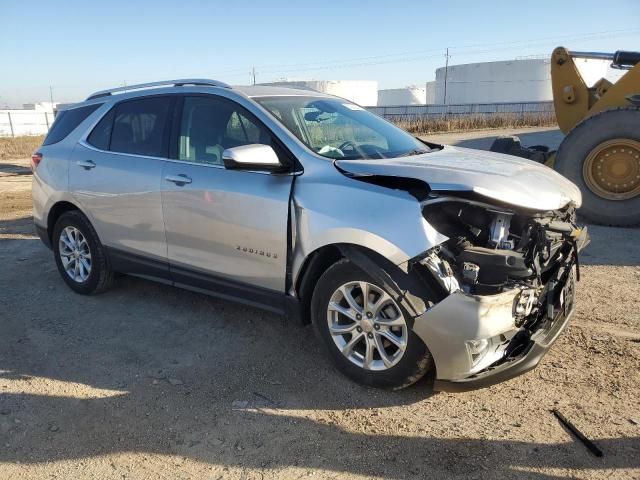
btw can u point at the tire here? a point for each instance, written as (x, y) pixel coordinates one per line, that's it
(99, 276)
(510, 145)
(505, 144)
(620, 123)
(408, 368)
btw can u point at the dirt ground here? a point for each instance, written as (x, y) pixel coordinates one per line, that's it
(149, 381)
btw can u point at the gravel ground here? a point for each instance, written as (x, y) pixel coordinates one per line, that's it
(149, 381)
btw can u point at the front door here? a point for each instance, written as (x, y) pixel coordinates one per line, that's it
(223, 225)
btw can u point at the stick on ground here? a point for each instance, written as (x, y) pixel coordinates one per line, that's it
(593, 448)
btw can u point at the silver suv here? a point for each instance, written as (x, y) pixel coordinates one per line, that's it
(408, 257)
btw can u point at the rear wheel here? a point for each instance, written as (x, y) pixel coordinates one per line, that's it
(602, 156)
(79, 255)
(366, 330)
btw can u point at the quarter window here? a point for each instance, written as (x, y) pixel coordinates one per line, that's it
(210, 125)
(66, 121)
(140, 127)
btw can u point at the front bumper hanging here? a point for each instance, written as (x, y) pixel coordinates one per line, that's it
(447, 327)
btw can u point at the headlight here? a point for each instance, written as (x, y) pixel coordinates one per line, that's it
(527, 299)
(478, 349)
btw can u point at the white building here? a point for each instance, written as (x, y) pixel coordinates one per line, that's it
(41, 106)
(362, 92)
(526, 80)
(402, 96)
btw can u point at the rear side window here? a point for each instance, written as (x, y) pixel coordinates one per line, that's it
(101, 134)
(66, 121)
(140, 127)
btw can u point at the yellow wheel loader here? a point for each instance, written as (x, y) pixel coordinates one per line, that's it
(601, 150)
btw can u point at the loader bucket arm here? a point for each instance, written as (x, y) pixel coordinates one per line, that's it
(570, 93)
(574, 101)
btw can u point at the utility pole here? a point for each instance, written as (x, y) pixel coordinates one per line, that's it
(446, 74)
(51, 95)
(253, 74)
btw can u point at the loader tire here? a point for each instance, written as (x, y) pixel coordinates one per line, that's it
(601, 155)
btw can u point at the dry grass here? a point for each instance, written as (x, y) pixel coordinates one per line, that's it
(453, 123)
(19, 147)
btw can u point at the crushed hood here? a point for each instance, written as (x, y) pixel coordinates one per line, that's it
(505, 178)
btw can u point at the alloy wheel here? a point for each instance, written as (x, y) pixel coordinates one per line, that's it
(367, 326)
(75, 254)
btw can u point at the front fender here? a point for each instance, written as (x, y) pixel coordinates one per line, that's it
(350, 211)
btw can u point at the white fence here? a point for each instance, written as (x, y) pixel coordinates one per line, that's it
(16, 123)
(398, 112)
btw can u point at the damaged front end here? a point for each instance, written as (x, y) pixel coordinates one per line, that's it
(507, 277)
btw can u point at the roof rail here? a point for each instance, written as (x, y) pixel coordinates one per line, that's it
(176, 83)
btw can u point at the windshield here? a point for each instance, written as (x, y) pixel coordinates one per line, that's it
(338, 129)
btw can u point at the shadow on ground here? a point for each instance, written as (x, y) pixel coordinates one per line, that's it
(9, 169)
(17, 226)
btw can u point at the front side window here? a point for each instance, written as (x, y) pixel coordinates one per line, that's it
(210, 125)
(338, 129)
(140, 127)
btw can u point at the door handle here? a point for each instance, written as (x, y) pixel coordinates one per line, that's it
(180, 179)
(86, 164)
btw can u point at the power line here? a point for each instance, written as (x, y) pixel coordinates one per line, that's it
(471, 46)
(418, 55)
(446, 73)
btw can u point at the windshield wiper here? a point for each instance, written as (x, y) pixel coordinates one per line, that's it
(416, 151)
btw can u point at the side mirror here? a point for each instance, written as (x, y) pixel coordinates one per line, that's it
(252, 157)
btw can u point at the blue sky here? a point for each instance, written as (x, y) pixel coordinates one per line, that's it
(82, 46)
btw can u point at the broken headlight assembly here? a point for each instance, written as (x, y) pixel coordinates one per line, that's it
(484, 352)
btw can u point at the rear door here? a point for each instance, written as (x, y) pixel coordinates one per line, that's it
(225, 228)
(115, 175)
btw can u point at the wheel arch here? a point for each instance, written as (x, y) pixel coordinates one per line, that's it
(56, 211)
(411, 287)
(312, 267)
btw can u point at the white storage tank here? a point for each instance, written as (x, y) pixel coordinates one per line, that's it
(362, 92)
(525, 80)
(430, 93)
(402, 96)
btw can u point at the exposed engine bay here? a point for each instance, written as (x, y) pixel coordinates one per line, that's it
(497, 249)
(492, 249)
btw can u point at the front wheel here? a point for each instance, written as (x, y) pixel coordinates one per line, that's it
(367, 332)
